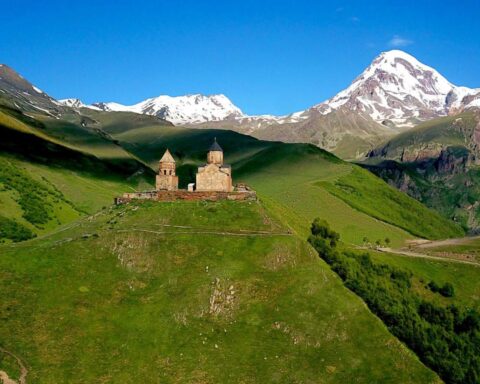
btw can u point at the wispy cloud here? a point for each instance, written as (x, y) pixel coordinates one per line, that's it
(399, 41)
(354, 19)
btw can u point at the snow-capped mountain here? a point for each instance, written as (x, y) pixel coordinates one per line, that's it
(189, 109)
(76, 103)
(397, 87)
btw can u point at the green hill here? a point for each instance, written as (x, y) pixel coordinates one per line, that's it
(189, 292)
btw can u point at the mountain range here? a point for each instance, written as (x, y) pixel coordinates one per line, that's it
(395, 92)
(395, 87)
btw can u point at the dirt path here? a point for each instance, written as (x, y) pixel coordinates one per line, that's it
(440, 243)
(207, 232)
(424, 256)
(23, 370)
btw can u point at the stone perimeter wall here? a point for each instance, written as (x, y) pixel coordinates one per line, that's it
(186, 195)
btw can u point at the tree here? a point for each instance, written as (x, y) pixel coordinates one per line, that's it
(365, 241)
(387, 241)
(322, 229)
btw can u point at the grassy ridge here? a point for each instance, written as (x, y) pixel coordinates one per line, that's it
(303, 179)
(131, 297)
(375, 198)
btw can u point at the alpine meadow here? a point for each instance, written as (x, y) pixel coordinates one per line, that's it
(179, 239)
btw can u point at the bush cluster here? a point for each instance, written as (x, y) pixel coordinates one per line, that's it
(446, 338)
(10, 229)
(33, 197)
(445, 290)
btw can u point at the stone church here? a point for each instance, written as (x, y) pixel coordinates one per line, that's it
(214, 176)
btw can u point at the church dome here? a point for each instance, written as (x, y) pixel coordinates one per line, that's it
(215, 146)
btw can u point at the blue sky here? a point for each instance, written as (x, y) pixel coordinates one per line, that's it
(267, 56)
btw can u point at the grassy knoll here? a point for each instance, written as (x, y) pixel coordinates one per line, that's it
(29, 206)
(47, 180)
(135, 294)
(38, 198)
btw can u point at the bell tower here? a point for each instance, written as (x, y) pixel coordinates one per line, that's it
(215, 154)
(166, 179)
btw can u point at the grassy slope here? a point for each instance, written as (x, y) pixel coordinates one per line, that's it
(374, 198)
(74, 182)
(463, 277)
(447, 186)
(130, 306)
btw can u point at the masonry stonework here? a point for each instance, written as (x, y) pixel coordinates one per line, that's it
(214, 176)
(166, 178)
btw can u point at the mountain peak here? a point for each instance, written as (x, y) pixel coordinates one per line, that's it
(397, 87)
(187, 109)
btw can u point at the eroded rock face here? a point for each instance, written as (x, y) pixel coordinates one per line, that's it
(451, 163)
(421, 154)
(438, 165)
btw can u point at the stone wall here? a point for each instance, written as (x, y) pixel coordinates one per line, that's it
(187, 196)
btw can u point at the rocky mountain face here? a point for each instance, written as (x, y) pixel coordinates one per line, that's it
(76, 103)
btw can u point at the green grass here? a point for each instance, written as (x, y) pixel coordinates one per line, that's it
(104, 301)
(445, 131)
(433, 163)
(29, 206)
(299, 179)
(375, 198)
(464, 277)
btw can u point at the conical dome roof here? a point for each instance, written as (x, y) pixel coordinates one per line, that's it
(167, 157)
(215, 146)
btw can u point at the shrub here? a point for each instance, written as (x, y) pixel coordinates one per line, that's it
(446, 290)
(10, 229)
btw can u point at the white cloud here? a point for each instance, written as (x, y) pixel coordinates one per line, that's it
(399, 41)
